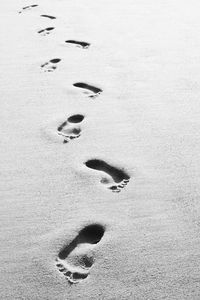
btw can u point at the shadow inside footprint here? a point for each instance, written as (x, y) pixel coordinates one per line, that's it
(75, 119)
(119, 177)
(94, 91)
(48, 16)
(51, 65)
(79, 44)
(28, 7)
(46, 31)
(75, 260)
(68, 130)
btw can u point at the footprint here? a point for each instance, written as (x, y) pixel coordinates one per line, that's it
(75, 259)
(69, 130)
(119, 177)
(51, 65)
(47, 16)
(79, 44)
(93, 91)
(46, 31)
(29, 7)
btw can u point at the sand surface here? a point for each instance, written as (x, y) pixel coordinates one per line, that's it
(100, 149)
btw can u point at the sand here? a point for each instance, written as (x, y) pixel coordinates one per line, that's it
(100, 160)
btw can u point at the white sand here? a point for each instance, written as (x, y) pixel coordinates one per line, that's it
(145, 56)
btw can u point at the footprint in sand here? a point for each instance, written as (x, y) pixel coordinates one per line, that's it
(28, 7)
(80, 44)
(90, 90)
(119, 177)
(48, 16)
(51, 65)
(75, 259)
(70, 129)
(46, 31)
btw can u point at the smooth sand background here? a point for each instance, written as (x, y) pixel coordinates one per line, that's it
(145, 55)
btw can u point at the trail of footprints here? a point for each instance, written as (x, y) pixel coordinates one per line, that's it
(75, 259)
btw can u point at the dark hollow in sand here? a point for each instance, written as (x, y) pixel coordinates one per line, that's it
(91, 234)
(50, 28)
(87, 87)
(62, 126)
(46, 29)
(55, 60)
(79, 43)
(76, 118)
(29, 6)
(47, 16)
(100, 165)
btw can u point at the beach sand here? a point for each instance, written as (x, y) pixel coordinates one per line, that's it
(100, 160)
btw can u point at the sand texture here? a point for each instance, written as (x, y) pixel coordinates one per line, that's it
(100, 149)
